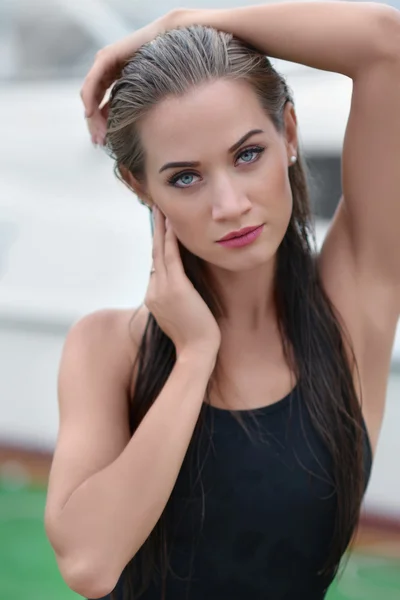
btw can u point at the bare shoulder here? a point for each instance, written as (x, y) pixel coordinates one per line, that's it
(103, 345)
(93, 397)
(112, 334)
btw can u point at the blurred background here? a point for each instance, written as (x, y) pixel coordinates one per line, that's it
(73, 239)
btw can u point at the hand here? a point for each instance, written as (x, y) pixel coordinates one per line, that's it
(176, 305)
(107, 69)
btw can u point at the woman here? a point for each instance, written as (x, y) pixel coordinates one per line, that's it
(232, 460)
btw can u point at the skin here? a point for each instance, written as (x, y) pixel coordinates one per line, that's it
(222, 194)
(226, 192)
(359, 268)
(359, 261)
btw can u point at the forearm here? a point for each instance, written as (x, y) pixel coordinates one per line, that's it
(332, 36)
(109, 516)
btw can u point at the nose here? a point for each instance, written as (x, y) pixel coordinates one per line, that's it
(229, 201)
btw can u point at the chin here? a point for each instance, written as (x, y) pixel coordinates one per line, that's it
(249, 265)
(245, 259)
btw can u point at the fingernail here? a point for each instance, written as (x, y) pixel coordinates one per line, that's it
(166, 222)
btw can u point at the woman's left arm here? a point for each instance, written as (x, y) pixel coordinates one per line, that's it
(333, 36)
(361, 41)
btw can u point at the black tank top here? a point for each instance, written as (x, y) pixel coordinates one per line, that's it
(258, 523)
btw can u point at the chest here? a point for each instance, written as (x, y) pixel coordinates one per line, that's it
(266, 489)
(250, 376)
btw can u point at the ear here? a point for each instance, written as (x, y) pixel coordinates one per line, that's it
(135, 186)
(290, 121)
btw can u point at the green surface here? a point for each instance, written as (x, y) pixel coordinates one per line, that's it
(28, 570)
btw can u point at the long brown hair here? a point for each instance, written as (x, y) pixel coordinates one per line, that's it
(313, 338)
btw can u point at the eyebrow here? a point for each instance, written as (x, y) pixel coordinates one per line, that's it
(185, 164)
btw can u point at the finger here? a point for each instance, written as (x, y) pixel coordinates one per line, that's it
(99, 78)
(97, 126)
(172, 257)
(158, 242)
(97, 123)
(92, 93)
(96, 129)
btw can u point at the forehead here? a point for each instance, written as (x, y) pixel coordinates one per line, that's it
(214, 115)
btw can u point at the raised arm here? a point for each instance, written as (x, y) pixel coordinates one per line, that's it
(358, 40)
(361, 41)
(332, 36)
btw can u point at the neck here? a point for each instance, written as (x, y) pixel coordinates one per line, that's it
(247, 296)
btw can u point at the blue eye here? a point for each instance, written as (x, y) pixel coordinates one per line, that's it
(185, 178)
(249, 155)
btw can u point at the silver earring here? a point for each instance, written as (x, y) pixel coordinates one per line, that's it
(293, 159)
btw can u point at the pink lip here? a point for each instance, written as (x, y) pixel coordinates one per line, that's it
(245, 236)
(238, 233)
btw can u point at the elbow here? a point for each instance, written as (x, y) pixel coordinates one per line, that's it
(87, 571)
(82, 574)
(86, 580)
(387, 32)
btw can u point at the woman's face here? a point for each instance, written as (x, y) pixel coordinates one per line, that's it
(239, 176)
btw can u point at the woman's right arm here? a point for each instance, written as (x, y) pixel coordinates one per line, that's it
(107, 490)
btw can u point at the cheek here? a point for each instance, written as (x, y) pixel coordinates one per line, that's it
(178, 213)
(185, 231)
(189, 226)
(279, 193)
(186, 220)
(193, 237)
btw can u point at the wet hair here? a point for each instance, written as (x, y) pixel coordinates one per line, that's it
(315, 343)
